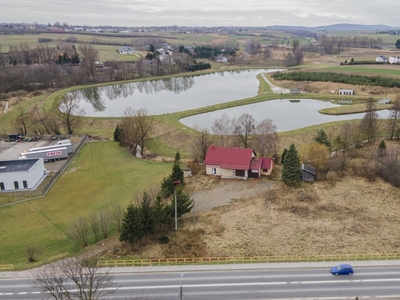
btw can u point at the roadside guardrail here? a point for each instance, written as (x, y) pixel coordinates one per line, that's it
(6, 267)
(244, 260)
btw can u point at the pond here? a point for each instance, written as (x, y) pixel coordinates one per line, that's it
(286, 114)
(169, 95)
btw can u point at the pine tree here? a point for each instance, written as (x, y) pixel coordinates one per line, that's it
(161, 213)
(117, 133)
(147, 213)
(382, 149)
(183, 202)
(283, 156)
(322, 138)
(132, 225)
(168, 183)
(291, 172)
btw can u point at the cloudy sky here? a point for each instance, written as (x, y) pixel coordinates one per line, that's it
(202, 13)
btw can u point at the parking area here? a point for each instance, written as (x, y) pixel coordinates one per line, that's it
(11, 150)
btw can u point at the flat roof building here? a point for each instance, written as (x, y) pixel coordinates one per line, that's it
(21, 174)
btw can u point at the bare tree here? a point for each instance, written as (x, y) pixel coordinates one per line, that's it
(118, 213)
(244, 127)
(394, 124)
(223, 128)
(89, 57)
(21, 121)
(79, 231)
(265, 137)
(201, 141)
(33, 251)
(252, 46)
(135, 128)
(74, 278)
(104, 224)
(369, 124)
(95, 226)
(267, 53)
(71, 112)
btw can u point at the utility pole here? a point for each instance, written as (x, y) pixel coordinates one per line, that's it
(176, 183)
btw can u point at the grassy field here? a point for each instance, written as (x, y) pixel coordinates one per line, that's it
(85, 188)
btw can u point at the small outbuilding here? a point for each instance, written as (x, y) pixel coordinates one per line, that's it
(307, 173)
(21, 174)
(13, 137)
(187, 172)
(347, 92)
(295, 91)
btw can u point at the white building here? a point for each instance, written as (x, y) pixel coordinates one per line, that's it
(381, 58)
(21, 174)
(348, 92)
(394, 60)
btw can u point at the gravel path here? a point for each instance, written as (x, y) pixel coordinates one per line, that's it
(275, 89)
(228, 191)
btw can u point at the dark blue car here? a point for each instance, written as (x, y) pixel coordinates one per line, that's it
(343, 269)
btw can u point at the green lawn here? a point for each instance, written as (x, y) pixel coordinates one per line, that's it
(102, 174)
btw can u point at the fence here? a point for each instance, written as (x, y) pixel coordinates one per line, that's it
(55, 176)
(242, 260)
(6, 267)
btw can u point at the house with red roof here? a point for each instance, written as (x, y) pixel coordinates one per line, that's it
(240, 163)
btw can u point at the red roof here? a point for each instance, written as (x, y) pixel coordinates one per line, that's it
(229, 158)
(266, 163)
(262, 163)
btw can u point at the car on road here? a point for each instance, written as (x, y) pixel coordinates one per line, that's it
(343, 269)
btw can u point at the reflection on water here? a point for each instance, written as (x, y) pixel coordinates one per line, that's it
(169, 95)
(286, 114)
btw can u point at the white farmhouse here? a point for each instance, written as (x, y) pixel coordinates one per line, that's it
(21, 174)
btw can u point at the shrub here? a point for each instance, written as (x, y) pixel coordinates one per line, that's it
(163, 239)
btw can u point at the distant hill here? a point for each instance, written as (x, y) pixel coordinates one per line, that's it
(335, 27)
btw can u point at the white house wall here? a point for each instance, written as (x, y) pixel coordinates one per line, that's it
(225, 173)
(33, 176)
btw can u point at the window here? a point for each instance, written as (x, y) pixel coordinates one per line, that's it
(214, 171)
(25, 183)
(2, 186)
(16, 185)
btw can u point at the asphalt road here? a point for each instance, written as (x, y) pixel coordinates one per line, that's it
(371, 280)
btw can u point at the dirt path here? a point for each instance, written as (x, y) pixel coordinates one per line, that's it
(275, 89)
(229, 191)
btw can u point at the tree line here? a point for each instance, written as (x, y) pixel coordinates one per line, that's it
(338, 77)
(336, 44)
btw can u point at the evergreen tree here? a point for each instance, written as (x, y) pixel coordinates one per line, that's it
(283, 156)
(183, 202)
(291, 172)
(147, 213)
(322, 138)
(382, 149)
(117, 133)
(398, 44)
(132, 225)
(168, 183)
(161, 213)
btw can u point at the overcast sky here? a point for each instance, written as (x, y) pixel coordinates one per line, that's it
(202, 13)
